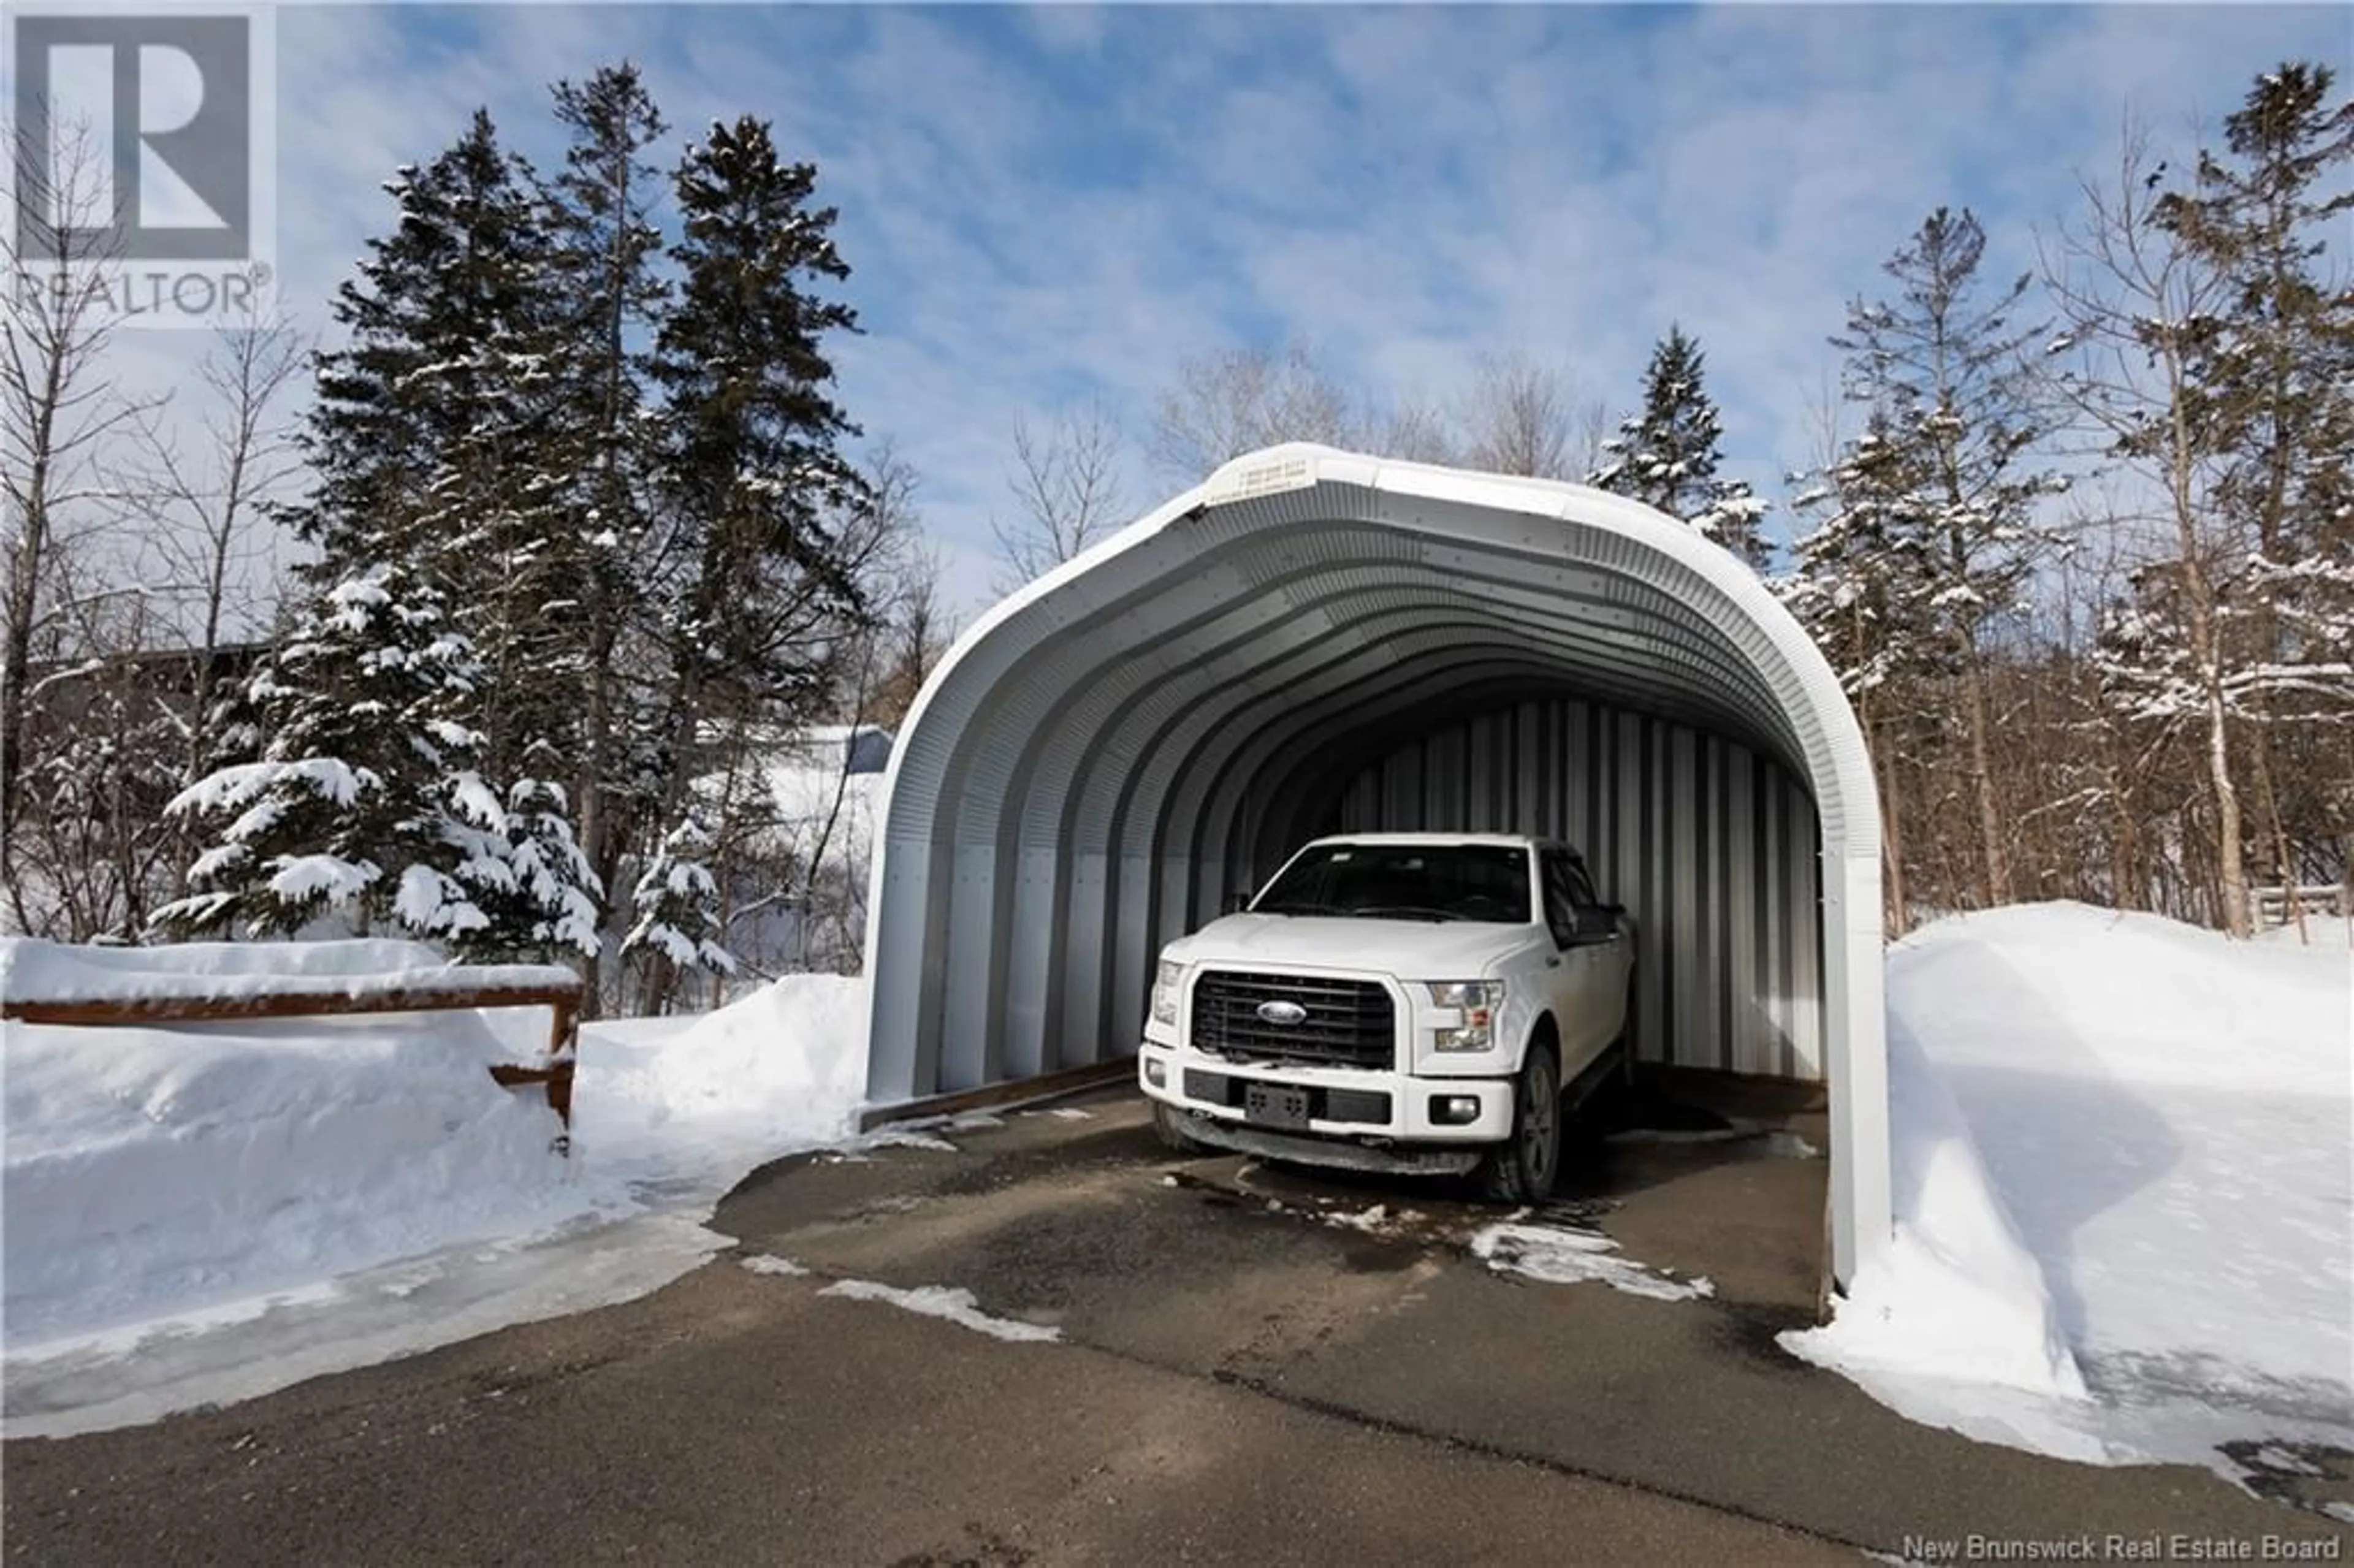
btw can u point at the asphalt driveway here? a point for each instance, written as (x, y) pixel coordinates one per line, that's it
(1249, 1365)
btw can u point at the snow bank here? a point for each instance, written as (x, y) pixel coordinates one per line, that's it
(32, 970)
(169, 1185)
(1957, 1294)
(163, 1171)
(2122, 1142)
(699, 1102)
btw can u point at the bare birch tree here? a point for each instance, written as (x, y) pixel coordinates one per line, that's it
(58, 413)
(1223, 405)
(208, 518)
(1066, 482)
(1523, 415)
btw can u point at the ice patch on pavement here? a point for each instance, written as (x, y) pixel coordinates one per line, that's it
(243, 1350)
(860, 1149)
(896, 1138)
(1570, 1257)
(765, 1263)
(1376, 1221)
(957, 1306)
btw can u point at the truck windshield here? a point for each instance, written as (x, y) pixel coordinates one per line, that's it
(1405, 881)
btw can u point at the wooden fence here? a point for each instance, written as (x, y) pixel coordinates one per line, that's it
(552, 1074)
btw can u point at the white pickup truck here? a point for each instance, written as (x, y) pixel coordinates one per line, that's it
(1411, 1002)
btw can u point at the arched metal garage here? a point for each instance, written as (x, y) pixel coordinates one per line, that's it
(1314, 641)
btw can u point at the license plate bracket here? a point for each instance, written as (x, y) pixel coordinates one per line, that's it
(1275, 1105)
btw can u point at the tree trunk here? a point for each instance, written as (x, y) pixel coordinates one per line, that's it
(2275, 831)
(1991, 827)
(1892, 844)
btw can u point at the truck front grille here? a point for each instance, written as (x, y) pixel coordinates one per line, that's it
(1349, 1023)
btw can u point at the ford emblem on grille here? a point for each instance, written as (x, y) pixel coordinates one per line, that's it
(1282, 1012)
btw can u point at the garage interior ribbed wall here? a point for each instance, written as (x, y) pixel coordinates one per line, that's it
(1109, 753)
(1710, 845)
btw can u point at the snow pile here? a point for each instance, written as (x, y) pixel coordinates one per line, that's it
(2160, 1118)
(1554, 1257)
(694, 1104)
(206, 1210)
(153, 1170)
(1958, 1294)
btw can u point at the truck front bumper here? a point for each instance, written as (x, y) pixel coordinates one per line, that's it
(1371, 1110)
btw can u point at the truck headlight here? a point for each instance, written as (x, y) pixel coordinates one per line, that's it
(1477, 1000)
(1164, 992)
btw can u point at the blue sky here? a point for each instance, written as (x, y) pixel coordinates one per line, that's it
(1042, 206)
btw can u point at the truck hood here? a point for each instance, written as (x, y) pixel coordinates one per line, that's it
(1409, 949)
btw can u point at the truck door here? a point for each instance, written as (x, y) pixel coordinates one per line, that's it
(1613, 956)
(1578, 980)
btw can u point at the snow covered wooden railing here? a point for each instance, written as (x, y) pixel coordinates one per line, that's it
(54, 983)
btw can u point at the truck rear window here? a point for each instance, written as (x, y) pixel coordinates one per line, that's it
(1404, 882)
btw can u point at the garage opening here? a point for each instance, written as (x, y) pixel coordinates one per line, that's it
(1315, 640)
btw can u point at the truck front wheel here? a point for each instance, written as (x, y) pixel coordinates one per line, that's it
(1523, 1169)
(1169, 1125)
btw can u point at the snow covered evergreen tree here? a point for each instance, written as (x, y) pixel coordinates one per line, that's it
(444, 459)
(1941, 367)
(439, 323)
(601, 207)
(1855, 584)
(678, 928)
(757, 496)
(1856, 581)
(1667, 456)
(358, 805)
(545, 903)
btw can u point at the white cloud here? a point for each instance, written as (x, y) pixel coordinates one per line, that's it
(1044, 206)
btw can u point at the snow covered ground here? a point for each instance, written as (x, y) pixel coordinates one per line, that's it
(2124, 1191)
(205, 1212)
(2124, 1180)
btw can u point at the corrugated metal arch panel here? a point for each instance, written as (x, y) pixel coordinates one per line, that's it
(1695, 876)
(1669, 625)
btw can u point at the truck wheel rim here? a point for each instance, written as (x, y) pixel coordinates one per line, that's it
(1537, 1122)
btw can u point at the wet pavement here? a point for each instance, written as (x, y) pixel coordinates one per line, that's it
(1250, 1363)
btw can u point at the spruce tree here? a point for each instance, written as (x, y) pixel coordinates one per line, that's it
(1667, 457)
(752, 481)
(677, 930)
(1855, 584)
(348, 810)
(752, 469)
(602, 208)
(1856, 577)
(428, 385)
(1941, 365)
(444, 460)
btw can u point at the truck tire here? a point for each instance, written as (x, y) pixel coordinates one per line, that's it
(1523, 1168)
(1169, 1125)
